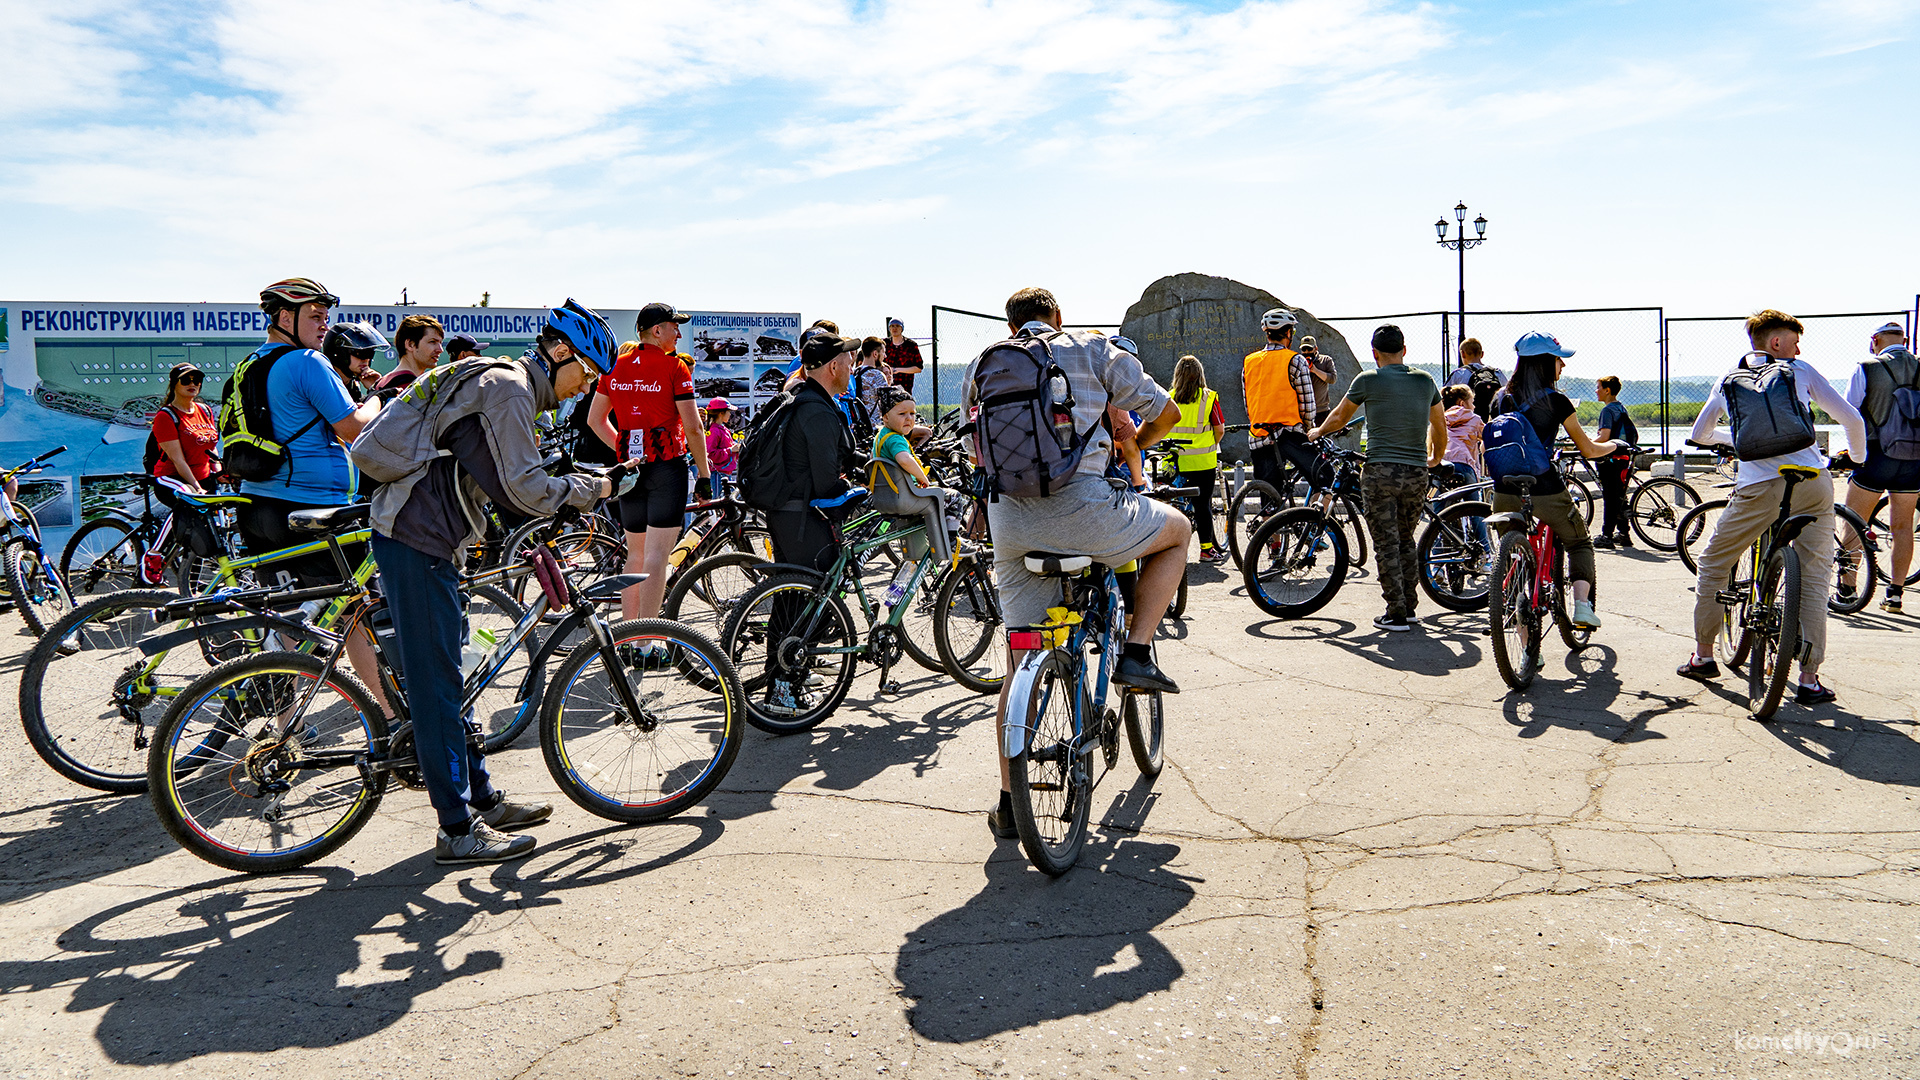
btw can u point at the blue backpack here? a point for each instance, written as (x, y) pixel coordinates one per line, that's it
(1513, 447)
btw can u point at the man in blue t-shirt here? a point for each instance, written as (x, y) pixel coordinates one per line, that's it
(314, 417)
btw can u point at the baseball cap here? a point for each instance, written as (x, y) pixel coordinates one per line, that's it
(1308, 340)
(895, 322)
(1891, 328)
(1539, 344)
(465, 343)
(182, 369)
(822, 347)
(718, 404)
(1389, 339)
(655, 314)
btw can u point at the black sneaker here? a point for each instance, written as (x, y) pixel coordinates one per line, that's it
(1625, 540)
(1699, 669)
(1396, 623)
(1000, 822)
(1143, 675)
(1811, 695)
(1605, 542)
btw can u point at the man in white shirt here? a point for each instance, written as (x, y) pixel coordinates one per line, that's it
(1755, 503)
(1872, 392)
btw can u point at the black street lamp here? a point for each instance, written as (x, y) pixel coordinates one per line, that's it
(1461, 243)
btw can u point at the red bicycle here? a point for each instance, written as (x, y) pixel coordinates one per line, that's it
(1529, 588)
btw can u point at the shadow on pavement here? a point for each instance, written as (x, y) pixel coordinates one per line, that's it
(255, 964)
(77, 839)
(1587, 700)
(1027, 948)
(1876, 750)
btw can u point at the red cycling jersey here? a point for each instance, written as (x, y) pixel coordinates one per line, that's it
(643, 392)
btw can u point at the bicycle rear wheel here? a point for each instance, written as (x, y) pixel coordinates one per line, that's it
(1515, 624)
(1882, 524)
(1295, 563)
(1456, 551)
(764, 642)
(966, 627)
(1775, 633)
(1657, 507)
(1695, 529)
(1251, 502)
(1052, 790)
(36, 586)
(704, 594)
(1146, 729)
(642, 768)
(102, 556)
(1855, 570)
(1353, 524)
(238, 794)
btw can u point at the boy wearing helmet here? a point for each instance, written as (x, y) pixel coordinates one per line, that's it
(350, 347)
(422, 524)
(1278, 385)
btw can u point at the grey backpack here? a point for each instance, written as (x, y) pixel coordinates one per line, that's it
(1764, 407)
(402, 438)
(1023, 432)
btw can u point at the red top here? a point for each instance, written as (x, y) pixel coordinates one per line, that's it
(197, 435)
(643, 391)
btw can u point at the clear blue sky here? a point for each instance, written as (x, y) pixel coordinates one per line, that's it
(856, 160)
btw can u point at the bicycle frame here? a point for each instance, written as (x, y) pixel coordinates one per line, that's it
(853, 553)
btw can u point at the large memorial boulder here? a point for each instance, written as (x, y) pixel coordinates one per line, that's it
(1218, 320)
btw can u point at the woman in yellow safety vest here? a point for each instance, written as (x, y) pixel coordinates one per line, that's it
(1202, 423)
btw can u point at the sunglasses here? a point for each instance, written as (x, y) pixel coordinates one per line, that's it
(192, 380)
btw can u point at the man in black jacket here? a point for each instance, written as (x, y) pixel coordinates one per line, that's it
(818, 451)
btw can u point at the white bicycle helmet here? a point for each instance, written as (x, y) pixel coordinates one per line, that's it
(1278, 319)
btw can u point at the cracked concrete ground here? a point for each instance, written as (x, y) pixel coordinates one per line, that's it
(1365, 859)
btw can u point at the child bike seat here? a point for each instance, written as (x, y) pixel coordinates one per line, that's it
(1055, 565)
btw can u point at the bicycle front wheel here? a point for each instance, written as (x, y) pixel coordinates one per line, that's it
(1774, 623)
(1656, 509)
(645, 767)
(1246, 507)
(1515, 624)
(1696, 527)
(1295, 562)
(36, 586)
(1572, 636)
(102, 556)
(1455, 556)
(1736, 640)
(1582, 497)
(792, 680)
(966, 627)
(257, 766)
(1052, 790)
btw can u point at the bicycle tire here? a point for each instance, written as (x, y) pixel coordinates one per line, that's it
(704, 594)
(510, 702)
(25, 517)
(1146, 732)
(1735, 640)
(1695, 529)
(1858, 560)
(211, 798)
(75, 705)
(1656, 508)
(1573, 637)
(1454, 559)
(1178, 609)
(747, 646)
(916, 626)
(1882, 521)
(102, 556)
(1353, 522)
(1582, 497)
(1250, 503)
(1301, 562)
(38, 593)
(1777, 643)
(966, 626)
(1052, 793)
(1515, 625)
(637, 771)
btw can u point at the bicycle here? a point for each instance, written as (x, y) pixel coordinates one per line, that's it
(117, 549)
(1297, 559)
(1057, 713)
(38, 589)
(1529, 587)
(252, 770)
(1455, 550)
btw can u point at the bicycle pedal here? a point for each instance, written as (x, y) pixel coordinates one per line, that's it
(891, 686)
(1727, 599)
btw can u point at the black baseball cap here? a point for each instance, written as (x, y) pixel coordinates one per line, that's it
(182, 370)
(1389, 339)
(465, 343)
(822, 347)
(655, 314)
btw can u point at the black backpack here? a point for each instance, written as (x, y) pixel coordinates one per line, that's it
(587, 447)
(150, 460)
(1485, 383)
(1765, 410)
(763, 466)
(247, 447)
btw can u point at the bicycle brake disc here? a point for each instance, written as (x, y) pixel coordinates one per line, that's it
(1110, 737)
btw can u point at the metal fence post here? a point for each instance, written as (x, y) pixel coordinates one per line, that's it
(935, 320)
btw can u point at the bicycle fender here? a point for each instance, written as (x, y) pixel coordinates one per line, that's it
(155, 644)
(554, 637)
(1793, 527)
(1014, 737)
(1506, 522)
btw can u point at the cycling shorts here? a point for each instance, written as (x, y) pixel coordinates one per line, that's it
(1885, 475)
(658, 499)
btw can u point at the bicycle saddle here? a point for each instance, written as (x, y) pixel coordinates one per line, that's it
(1054, 565)
(328, 518)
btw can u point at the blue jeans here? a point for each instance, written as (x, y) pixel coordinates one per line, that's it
(429, 628)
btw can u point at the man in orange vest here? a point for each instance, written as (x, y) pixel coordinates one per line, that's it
(1278, 383)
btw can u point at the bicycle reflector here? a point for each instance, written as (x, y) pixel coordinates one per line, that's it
(1019, 640)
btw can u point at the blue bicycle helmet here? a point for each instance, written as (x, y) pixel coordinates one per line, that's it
(586, 331)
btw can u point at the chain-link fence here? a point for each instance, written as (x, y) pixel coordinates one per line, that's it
(959, 336)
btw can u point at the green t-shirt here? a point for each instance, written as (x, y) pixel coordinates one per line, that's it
(889, 444)
(1398, 401)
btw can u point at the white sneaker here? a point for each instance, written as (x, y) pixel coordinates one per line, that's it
(484, 844)
(1583, 616)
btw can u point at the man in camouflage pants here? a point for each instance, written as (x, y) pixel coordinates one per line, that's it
(1406, 435)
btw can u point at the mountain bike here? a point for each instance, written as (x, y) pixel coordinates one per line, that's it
(273, 760)
(1455, 550)
(35, 583)
(1297, 559)
(118, 549)
(1529, 589)
(1057, 714)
